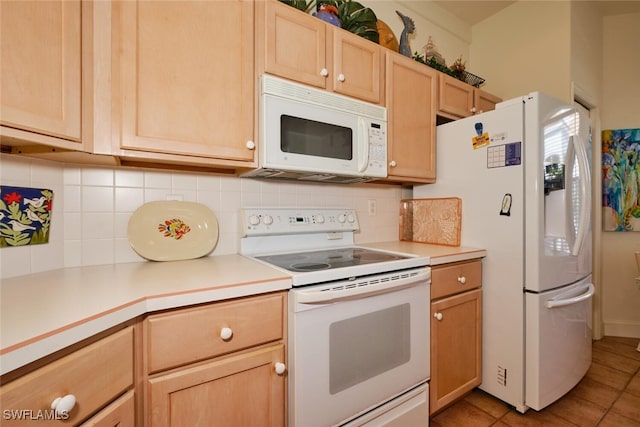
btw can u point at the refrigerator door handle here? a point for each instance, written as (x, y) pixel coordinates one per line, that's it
(571, 232)
(570, 298)
(575, 238)
(585, 192)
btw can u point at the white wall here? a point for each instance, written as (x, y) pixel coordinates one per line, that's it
(92, 207)
(523, 48)
(621, 109)
(451, 36)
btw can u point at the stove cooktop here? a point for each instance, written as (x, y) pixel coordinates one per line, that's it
(329, 259)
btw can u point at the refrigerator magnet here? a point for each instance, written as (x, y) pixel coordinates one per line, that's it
(482, 138)
(506, 205)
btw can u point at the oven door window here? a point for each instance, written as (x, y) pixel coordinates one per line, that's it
(312, 138)
(365, 346)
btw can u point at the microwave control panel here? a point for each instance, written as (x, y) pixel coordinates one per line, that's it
(377, 148)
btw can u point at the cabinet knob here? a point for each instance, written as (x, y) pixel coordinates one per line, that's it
(438, 316)
(64, 404)
(473, 109)
(392, 163)
(341, 77)
(251, 145)
(324, 72)
(280, 368)
(462, 279)
(226, 334)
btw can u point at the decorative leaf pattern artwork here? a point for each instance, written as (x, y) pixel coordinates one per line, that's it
(25, 216)
(175, 228)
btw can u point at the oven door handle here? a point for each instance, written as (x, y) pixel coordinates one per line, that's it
(359, 289)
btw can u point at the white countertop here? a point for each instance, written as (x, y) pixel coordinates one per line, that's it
(46, 312)
(438, 254)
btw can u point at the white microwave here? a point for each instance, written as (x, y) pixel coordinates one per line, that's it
(315, 135)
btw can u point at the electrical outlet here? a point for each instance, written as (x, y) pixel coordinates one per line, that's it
(372, 207)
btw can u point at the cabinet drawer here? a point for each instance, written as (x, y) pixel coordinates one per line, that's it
(95, 375)
(184, 336)
(454, 278)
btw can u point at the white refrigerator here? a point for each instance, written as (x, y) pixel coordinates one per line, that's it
(523, 174)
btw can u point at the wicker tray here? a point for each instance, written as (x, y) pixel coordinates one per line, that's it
(436, 221)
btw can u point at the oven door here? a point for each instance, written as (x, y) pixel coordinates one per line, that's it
(355, 345)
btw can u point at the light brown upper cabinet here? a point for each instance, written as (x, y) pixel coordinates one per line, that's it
(458, 99)
(41, 71)
(300, 47)
(183, 81)
(411, 109)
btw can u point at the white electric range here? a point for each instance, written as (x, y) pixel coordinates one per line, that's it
(358, 350)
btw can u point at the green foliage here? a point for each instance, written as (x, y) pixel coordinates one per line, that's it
(354, 17)
(431, 62)
(357, 19)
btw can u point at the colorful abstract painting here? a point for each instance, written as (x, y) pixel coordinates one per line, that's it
(25, 216)
(621, 180)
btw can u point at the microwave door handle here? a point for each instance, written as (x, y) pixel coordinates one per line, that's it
(363, 145)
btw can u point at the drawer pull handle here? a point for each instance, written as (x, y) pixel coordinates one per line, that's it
(63, 405)
(462, 279)
(280, 368)
(438, 316)
(226, 334)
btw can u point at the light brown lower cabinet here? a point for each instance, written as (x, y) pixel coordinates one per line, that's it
(241, 390)
(120, 413)
(456, 333)
(220, 364)
(96, 375)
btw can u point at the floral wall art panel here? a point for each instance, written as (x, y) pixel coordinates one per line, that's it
(25, 216)
(621, 180)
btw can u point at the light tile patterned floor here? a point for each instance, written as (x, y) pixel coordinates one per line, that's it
(608, 396)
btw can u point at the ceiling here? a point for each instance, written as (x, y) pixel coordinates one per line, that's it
(474, 11)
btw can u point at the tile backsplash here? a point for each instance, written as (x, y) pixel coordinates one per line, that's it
(92, 207)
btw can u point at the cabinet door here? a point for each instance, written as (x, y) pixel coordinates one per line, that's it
(455, 97)
(95, 375)
(456, 347)
(40, 67)
(295, 44)
(484, 101)
(241, 391)
(186, 81)
(411, 113)
(120, 413)
(356, 66)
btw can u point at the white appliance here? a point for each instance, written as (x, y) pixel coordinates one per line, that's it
(315, 135)
(523, 174)
(358, 322)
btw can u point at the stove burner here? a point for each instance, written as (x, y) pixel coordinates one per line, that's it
(309, 266)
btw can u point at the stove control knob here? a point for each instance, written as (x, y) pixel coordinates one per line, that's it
(351, 219)
(268, 220)
(342, 218)
(254, 220)
(320, 219)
